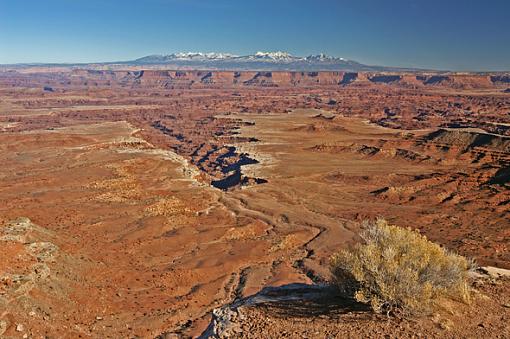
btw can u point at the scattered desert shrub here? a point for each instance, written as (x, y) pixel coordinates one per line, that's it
(399, 271)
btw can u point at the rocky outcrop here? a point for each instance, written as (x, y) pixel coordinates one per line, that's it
(466, 140)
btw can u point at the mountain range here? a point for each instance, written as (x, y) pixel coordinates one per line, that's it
(260, 61)
(270, 61)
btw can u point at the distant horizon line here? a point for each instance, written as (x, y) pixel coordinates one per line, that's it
(189, 52)
(232, 55)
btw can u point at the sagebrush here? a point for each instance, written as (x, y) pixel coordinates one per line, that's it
(398, 270)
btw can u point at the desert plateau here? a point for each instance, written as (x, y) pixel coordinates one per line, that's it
(183, 203)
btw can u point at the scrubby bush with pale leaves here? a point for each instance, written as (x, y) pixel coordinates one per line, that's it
(397, 270)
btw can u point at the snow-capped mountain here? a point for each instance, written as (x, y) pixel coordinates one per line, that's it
(184, 56)
(259, 61)
(323, 57)
(202, 56)
(273, 56)
(259, 56)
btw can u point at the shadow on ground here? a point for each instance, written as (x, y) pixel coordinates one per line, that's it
(287, 301)
(301, 300)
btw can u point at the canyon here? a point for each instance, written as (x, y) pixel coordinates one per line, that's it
(135, 202)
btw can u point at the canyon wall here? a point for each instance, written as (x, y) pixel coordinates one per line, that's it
(204, 79)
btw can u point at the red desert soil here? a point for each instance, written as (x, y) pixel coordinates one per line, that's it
(134, 203)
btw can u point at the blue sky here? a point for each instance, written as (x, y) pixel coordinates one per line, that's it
(446, 34)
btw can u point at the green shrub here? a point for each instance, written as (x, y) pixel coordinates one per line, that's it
(397, 270)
